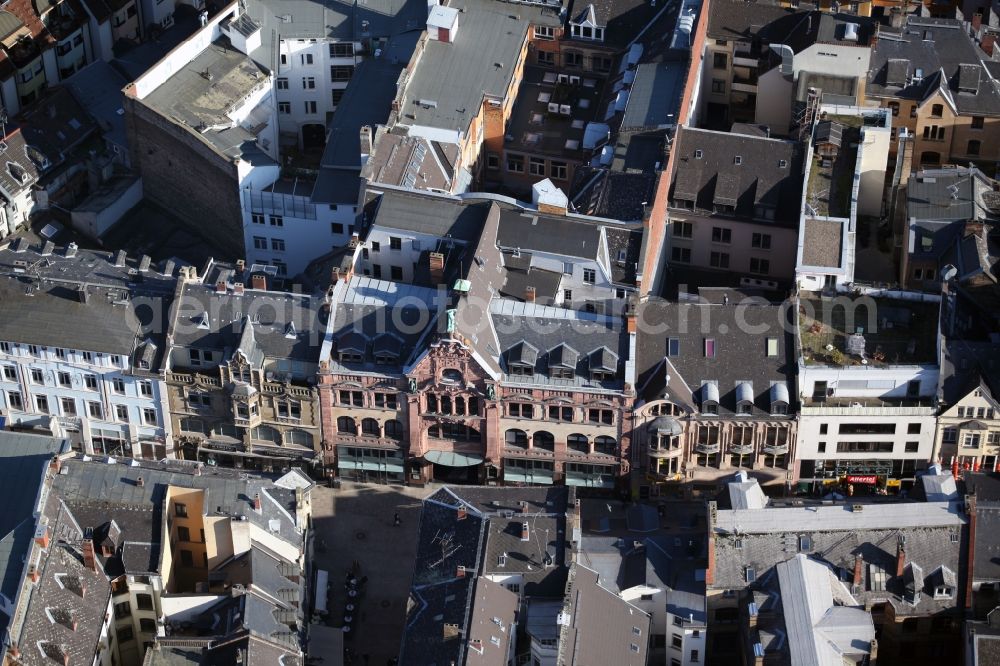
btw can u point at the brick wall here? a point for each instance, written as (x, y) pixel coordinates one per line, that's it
(185, 176)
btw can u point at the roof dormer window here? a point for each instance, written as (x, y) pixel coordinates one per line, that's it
(738, 160)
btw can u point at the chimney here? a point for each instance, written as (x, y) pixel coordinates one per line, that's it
(71, 250)
(630, 323)
(436, 265)
(525, 532)
(476, 645)
(529, 294)
(524, 506)
(258, 282)
(238, 287)
(82, 294)
(366, 144)
(449, 631)
(858, 569)
(56, 464)
(334, 276)
(256, 503)
(168, 268)
(460, 571)
(241, 265)
(47, 248)
(34, 574)
(144, 263)
(977, 22)
(973, 228)
(120, 258)
(89, 559)
(14, 652)
(42, 536)
(463, 513)
(987, 44)
(873, 650)
(900, 558)
(140, 482)
(220, 287)
(354, 242)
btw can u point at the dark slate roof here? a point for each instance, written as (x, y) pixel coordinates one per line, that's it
(987, 548)
(530, 230)
(946, 57)
(57, 124)
(252, 649)
(613, 194)
(758, 180)
(24, 461)
(654, 98)
(740, 331)
(430, 214)
(736, 19)
(561, 336)
(623, 19)
(21, 164)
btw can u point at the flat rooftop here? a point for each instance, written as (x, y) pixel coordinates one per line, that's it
(552, 111)
(778, 520)
(447, 86)
(832, 179)
(201, 95)
(892, 332)
(822, 243)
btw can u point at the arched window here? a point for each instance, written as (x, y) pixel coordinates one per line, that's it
(451, 376)
(266, 433)
(393, 429)
(299, 438)
(189, 424)
(346, 424)
(432, 403)
(227, 430)
(516, 438)
(578, 443)
(605, 445)
(543, 440)
(370, 427)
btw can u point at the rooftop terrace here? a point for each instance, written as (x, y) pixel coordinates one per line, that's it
(552, 111)
(831, 178)
(866, 331)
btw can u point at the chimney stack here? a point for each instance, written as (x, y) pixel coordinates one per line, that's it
(47, 248)
(900, 558)
(56, 464)
(71, 250)
(120, 257)
(460, 571)
(241, 265)
(168, 268)
(82, 294)
(144, 263)
(140, 482)
(89, 559)
(42, 536)
(220, 287)
(529, 294)
(436, 265)
(256, 503)
(858, 569)
(238, 287)
(463, 513)
(258, 282)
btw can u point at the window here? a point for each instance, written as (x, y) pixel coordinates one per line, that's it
(180, 510)
(336, 95)
(284, 58)
(949, 435)
(677, 641)
(146, 389)
(37, 376)
(694, 655)
(282, 83)
(147, 625)
(149, 416)
(35, 351)
(277, 221)
(341, 73)
(567, 295)
(894, 106)
(673, 347)
(395, 243)
(187, 558)
(978, 122)
(121, 413)
(309, 82)
(278, 244)
(283, 108)
(559, 170)
(544, 32)
(355, 398)
(709, 348)
(183, 534)
(718, 86)
(306, 58)
(971, 440)
(760, 266)
(720, 60)
(821, 447)
(680, 254)
(68, 406)
(90, 381)
(719, 260)
(64, 379)
(144, 602)
(310, 106)
(536, 166)
(15, 400)
(761, 241)
(257, 218)
(42, 404)
(605, 416)
(10, 373)
(722, 235)
(559, 413)
(912, 447)
(601, 63)
(521, 410)
(589, 275)
(974, 147)
(683, 229)
(864, 447)
(118, 385)
(94, 410)
(937, 110)
(259, 243)
(515, 163)
(913, 429)
(342, 50)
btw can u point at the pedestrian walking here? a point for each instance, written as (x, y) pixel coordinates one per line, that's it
(396, 521)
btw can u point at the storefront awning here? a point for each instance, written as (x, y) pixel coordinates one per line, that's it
(452, 459)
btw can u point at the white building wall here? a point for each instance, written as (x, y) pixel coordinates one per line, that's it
(303, 59)
(16, 377)
(910, 424)
(869, 382)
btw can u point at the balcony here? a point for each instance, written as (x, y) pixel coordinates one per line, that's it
(658, 452)
(776, 449)
(741, 449)
(707, 448)
(740, 60)
(745, 82)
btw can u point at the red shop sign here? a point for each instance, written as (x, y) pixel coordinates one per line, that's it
(870, 479)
